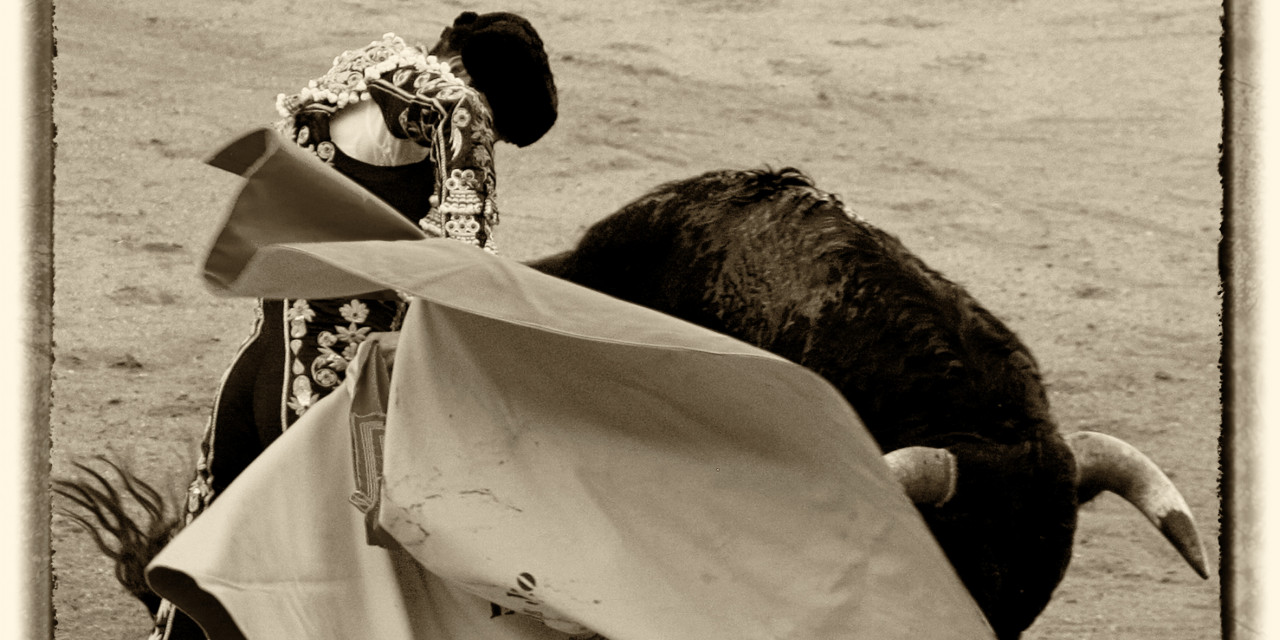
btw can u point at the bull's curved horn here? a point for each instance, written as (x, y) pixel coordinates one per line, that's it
(1106, 463)
(927, 474)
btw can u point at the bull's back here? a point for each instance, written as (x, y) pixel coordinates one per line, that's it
(779, 264)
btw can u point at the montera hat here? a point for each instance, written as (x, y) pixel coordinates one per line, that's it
(507, 63)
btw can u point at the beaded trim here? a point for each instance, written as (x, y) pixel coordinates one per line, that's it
(347, 80)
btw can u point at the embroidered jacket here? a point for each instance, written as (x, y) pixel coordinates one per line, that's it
(421, 99)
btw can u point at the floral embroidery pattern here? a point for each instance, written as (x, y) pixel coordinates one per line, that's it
(334, 350)
(298, 315)
(301, 397)
(300, 394)
(355, 311)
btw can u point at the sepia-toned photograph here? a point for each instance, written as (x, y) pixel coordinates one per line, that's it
(640, 321)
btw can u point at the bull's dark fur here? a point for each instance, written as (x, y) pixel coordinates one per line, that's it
(129, 541)
(767, 258)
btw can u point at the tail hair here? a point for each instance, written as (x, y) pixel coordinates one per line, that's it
(103, 513)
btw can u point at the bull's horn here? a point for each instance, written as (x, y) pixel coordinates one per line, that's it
(927, 474)
(1105, 463)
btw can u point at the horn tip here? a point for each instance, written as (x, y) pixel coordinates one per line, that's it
(1180, 530)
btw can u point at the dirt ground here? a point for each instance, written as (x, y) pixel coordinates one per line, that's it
(1057, 158)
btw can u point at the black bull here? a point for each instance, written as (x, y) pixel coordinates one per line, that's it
(767, 258)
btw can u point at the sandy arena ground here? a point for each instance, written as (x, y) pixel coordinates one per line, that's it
(1057, 158)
